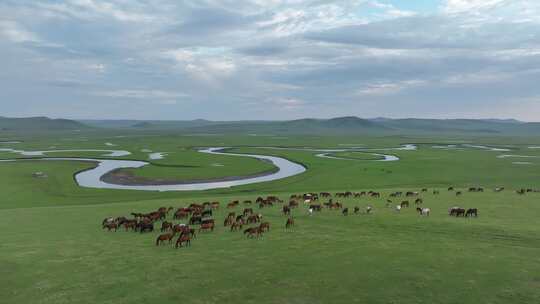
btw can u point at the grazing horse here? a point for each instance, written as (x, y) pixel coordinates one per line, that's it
(290, 223)
(398, 208)
(166, 226)
(457, 211)
(264, 226)
(423, 211)
(293, 204)
(435, 192)
(404, 204)
(130, 224)
(356, 210)
(498, 189)
(194, 220)
(471, 212)
(164, 237)
(286, 210)
(183, 239)
(181, 213)
(206, 213)
(206, 227)
(228, 221)
(237, 225)
(111, 226)
(315, 207)
(369, 209)
(208, 221)
(145, 226)
(418, 201)
(458, 193)
(345, 211)
(179, 228)
(450, 188)
(247, 211)
(107, 220)
(252, 232)
(254, 219)
(411, 193)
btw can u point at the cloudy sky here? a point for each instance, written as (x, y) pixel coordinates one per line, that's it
(270, 59)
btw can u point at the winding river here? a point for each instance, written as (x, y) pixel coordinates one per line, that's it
(92, 178)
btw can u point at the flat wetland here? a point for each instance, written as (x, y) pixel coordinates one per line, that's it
(53, 248)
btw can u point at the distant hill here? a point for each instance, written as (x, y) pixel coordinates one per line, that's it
(334, 126)
(39, 124)
(348, 125)
(148, 124)
(469, 126)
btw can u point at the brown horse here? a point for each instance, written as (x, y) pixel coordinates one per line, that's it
(207, 226)
(290, 223)
(166, 226)
(183, 239)
(286, 210)
(253, 219)
(237, 225)
(180, 214)
(110, 226)
(130, 224)
(456, 211)
(253, 232)
(264, 226)
(164, 237)
(404, 204)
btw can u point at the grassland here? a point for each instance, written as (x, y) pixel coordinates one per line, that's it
(54, 251)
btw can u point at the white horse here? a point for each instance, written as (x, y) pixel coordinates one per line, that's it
(425, 211)
(308, 201)
(368, 209)
(310, 211)
(398, 208)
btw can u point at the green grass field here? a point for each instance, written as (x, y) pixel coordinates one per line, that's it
(53, 249)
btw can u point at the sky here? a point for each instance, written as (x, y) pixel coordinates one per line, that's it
(270, 59)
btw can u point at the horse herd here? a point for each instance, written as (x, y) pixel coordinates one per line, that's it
(197, 215)
(199, 218)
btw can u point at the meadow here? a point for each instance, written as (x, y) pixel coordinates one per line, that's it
(53, 249)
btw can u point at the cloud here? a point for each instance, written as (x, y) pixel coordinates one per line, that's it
(16, 33)
(459, 6)
(94, 9)
(270, 59)
(389, 88)
(142, 94)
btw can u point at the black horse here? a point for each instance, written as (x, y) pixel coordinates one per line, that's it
(471, 212)
(145, 227)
